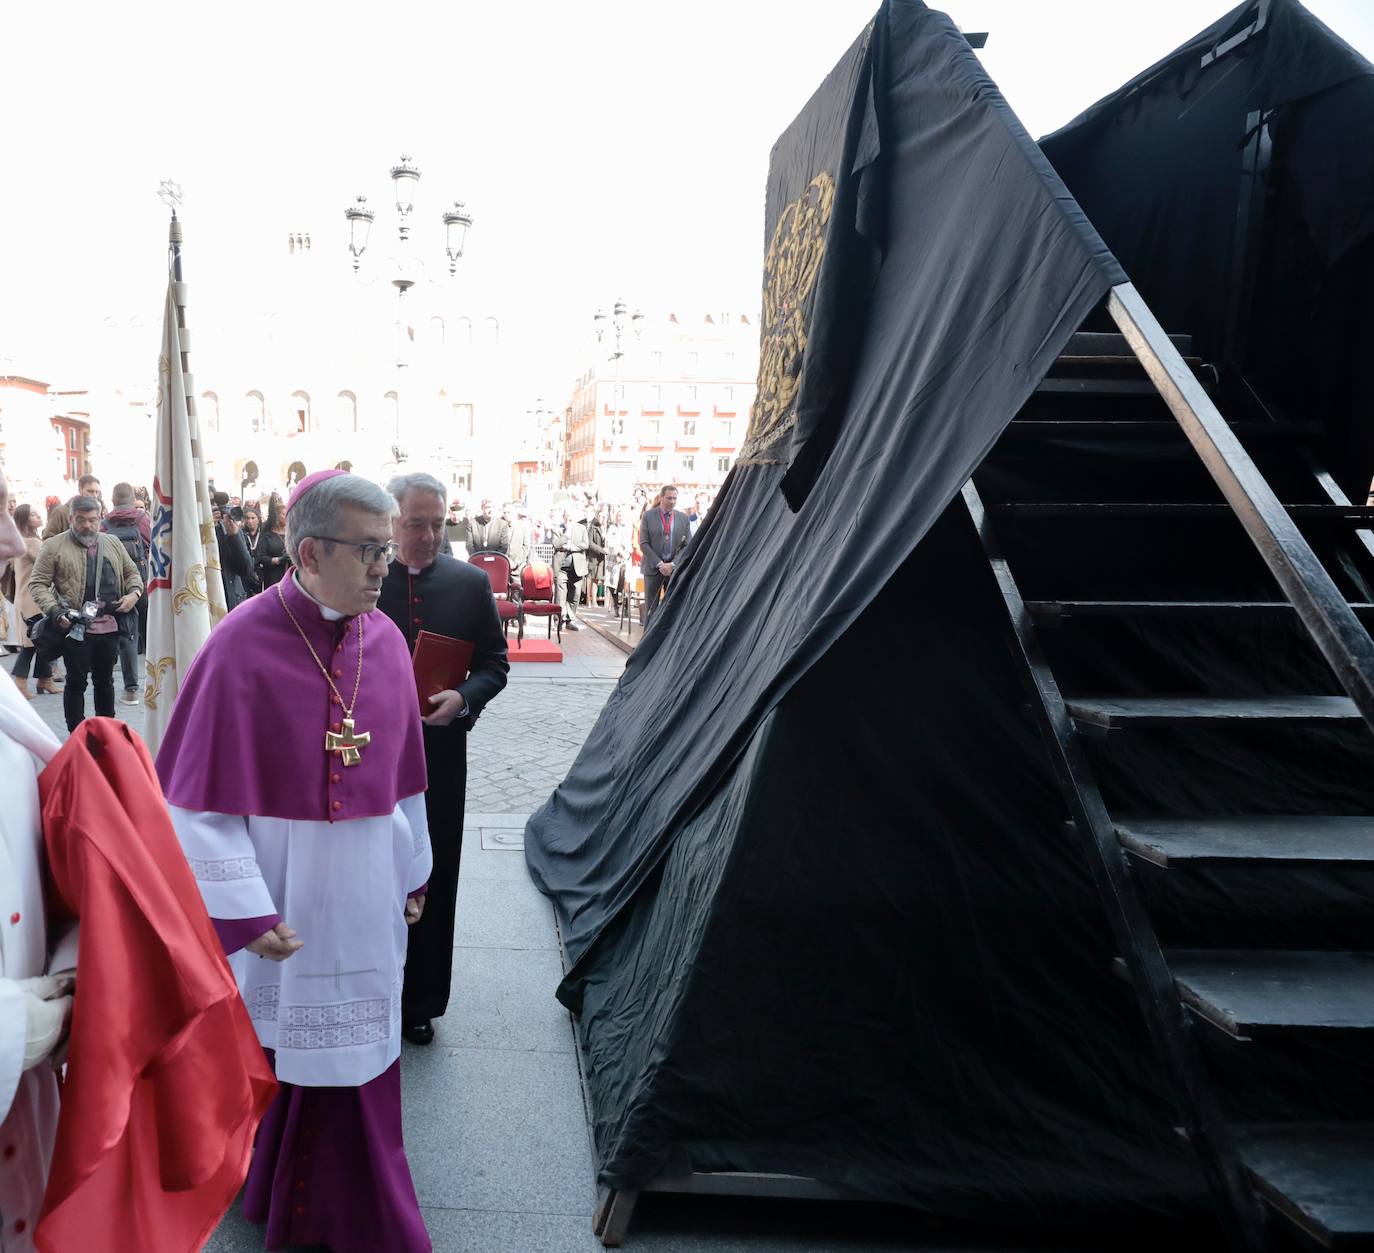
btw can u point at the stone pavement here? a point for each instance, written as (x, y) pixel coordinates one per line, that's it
(495, 1125)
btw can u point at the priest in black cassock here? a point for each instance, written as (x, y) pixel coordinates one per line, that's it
(427, 591)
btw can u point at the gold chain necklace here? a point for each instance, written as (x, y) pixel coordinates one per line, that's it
(348, 742)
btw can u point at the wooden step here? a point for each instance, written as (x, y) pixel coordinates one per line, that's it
(1037, 428)
(1269, 610)
(1112, 344)
(1074, 386)
(1320, 1176)
(1247, 992)
(1115, 713)
(1350, 515)
(1250, 839)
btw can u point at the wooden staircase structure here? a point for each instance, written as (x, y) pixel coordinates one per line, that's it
(1241, 1009)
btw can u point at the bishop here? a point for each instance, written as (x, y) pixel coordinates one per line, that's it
(294, 768)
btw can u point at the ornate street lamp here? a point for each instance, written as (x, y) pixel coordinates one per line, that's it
(360, 219)
(456, 223)
(405, 178)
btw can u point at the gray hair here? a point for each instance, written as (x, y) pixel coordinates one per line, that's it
(417, 482)
(320, 511)
(85, 504)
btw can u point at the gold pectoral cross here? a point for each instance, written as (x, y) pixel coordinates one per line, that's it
(347, 743)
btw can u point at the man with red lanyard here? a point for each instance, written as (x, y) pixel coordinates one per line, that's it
(663, 533)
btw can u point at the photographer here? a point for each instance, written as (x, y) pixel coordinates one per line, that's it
(88, 586)
(235, 561)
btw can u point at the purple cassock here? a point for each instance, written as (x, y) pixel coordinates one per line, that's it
(270, 821)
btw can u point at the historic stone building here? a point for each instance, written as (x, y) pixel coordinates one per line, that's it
(675, 410)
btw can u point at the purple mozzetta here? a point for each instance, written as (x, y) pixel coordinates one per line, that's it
(247, 733)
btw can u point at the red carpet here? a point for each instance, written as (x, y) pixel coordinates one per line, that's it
(534, 650)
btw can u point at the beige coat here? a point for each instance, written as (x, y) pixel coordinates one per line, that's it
(60, 571)
(24, 603)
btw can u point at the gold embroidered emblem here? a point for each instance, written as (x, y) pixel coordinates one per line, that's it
(156, 670)
(789, 272)
(192, 591)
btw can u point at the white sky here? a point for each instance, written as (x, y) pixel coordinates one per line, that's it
(606, 148)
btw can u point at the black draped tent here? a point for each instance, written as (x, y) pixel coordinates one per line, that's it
(820, 908)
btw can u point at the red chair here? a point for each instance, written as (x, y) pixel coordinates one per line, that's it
(537, 596)
(497, 566)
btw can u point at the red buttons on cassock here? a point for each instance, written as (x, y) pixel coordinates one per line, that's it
(336, 726)
(20, 1227)
(334, 700)
(416, 621)
(414, 600)
(338, 805)
(338, 674)
(8, 1151)
(334, 778)
(300, 1209)
(14, 917)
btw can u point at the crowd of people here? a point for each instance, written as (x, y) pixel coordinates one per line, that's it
(83, 557)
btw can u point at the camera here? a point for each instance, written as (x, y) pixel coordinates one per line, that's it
(80, 619)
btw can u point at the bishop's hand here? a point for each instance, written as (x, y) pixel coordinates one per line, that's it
(276, 945)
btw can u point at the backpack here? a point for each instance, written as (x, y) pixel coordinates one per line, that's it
(132, 539)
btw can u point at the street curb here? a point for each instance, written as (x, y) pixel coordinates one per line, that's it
(607, 634)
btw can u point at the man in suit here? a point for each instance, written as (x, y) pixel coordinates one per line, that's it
(663, 534)
(569, 565)
(425, 591)
(486, 532)
(520, 545)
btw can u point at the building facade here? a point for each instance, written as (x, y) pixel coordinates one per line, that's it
(673, 408)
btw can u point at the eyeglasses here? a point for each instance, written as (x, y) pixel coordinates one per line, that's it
(368, 554)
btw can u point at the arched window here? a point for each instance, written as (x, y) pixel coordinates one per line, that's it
(300, 403)
(209, 411)
(345, 412)
(255, 410)
(295, 472)
(491, 332)
(462, 332)
(393, 411)
(436, 330)
(345, 466)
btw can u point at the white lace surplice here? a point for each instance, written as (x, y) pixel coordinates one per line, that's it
(332, 1011)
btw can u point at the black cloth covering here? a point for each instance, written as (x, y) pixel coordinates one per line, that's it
(811, 872)
(450, 598)
(1157, 167)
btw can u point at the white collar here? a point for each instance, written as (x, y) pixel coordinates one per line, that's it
(328, 614)
(414, 570)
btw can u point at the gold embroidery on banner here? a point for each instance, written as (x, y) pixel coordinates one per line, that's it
(789, 277)
(156, 670)
(193, 591)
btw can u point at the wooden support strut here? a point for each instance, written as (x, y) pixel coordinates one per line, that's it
(1329, 620)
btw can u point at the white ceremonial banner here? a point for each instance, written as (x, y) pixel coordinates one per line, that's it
(185, 587)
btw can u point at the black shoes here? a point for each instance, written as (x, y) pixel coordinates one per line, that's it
(421, 1032)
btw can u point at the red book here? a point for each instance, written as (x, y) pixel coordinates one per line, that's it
(441, 663)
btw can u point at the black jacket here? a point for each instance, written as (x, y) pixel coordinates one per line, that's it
(270, 545)
(451, 598)
(235, 565)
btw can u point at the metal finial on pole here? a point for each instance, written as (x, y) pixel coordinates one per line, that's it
(169, 192)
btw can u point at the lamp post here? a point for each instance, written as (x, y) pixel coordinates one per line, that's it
(614, 331)
(405, 178)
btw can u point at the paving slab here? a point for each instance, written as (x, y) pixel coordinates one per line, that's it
(491, 1129)
(503, 913)
(503, 998)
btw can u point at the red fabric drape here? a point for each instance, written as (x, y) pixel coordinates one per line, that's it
(166, 1080)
